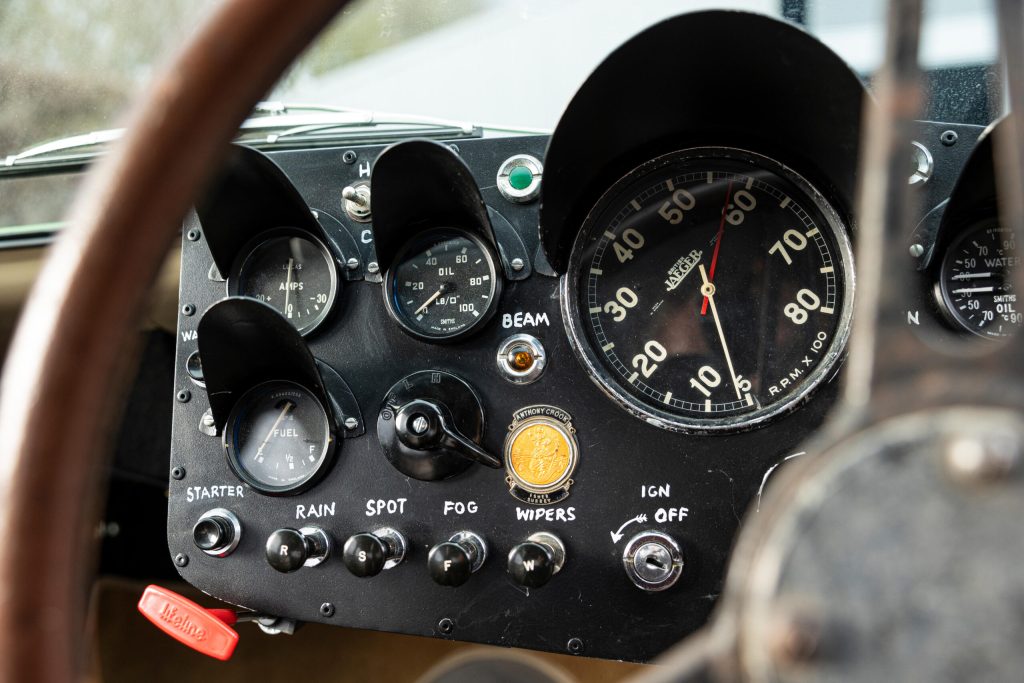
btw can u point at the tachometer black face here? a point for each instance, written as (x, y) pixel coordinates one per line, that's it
(278, 437)
(292, 272)
(710, 289)
(442, 285)
(977, 281)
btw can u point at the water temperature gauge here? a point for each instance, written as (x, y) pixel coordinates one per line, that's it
(977, 282)
(292, 272)
(278, 437)
(443, 285)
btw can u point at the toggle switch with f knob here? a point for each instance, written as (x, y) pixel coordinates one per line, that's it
(452, 563)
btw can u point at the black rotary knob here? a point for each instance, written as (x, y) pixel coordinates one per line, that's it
(289, 550)
(217, 532)
(368, 554)
(532, 563)
(452, 563)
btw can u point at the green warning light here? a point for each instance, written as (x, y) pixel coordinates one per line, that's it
(520, 177)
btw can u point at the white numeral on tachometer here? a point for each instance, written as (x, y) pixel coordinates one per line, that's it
(794, 240)
(627, 298)
(805, 299)
(633, 239)
(683, 200)
(707, 378)
(743, 201)
(654, 352)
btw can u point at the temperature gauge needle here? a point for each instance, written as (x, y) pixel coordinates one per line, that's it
(284, 413)
(708, 290)
(429, 301)
(973, 290)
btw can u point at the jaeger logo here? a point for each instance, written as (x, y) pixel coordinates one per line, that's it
(169, 614)
(681, 268)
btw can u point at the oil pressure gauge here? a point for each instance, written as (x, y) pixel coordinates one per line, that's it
(443, 285)
(977, 281)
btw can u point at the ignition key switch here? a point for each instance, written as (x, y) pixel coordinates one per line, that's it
(653, 561)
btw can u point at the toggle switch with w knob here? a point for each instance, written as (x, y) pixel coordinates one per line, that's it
(289, 550)
(532, 564)
(368, 554)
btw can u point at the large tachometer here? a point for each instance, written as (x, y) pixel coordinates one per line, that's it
(710, 289)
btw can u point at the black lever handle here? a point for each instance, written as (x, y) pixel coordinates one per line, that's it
(428, 424)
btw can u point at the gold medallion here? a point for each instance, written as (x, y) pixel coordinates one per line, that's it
(540, 455)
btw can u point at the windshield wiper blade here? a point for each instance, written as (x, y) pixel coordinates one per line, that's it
(270, 123)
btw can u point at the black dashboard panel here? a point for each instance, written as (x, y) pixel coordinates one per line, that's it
(625, 480)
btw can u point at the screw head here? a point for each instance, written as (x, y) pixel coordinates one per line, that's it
(184, 396)
(574, 646)
(351, 423)
(372, 267)
(193, 235)
(445, 626)
(916, 250)
(178, 473)
(419, 424)
(327, 610)
(181, 560)
(352, 263)
(948, 138)
(188, 309)
(349, 157)
(386, 415)
(517, 264)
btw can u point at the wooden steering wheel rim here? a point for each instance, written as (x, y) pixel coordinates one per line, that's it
(62, 376)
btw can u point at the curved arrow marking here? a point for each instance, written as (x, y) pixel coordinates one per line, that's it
(617, 535)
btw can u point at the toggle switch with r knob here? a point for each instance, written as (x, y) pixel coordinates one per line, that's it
(452, 563)
(430, 427)
(368, 554)
(532, 563)
(289, 550)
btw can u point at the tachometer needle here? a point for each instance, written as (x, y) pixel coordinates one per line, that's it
(284, 413)
(718, 245)
(288, 287)
(423, 307)
(708, 290)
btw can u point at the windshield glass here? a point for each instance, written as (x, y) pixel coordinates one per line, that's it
(72, 66)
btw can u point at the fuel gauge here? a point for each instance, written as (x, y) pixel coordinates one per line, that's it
(278, 437)
(977, 282)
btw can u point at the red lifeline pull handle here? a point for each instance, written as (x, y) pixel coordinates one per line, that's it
(201, 629)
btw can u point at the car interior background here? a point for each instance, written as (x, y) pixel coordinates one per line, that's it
(549, 326)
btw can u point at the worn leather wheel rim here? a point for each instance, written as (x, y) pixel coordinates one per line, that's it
(61, 379)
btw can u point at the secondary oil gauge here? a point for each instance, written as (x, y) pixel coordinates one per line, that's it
(278, 438)
(291, 271)
(443, 285)
(977, 281)
(710, 289)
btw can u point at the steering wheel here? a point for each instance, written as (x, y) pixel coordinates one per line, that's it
(791, 589)
(67, 361)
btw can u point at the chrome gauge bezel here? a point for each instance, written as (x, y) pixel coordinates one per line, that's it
(588, 357)
(326, 454)
(416, 242)
(247, 252)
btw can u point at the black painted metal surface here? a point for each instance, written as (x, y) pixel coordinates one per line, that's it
(695, 488)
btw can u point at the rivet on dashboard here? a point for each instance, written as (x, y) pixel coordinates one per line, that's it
(949, 138)
(575, 646)
(193, 235)
(184, 396)
(188, 309)
(445, 626)
(349, 157)
(181, 560)
(327, 610)
(178, 473)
